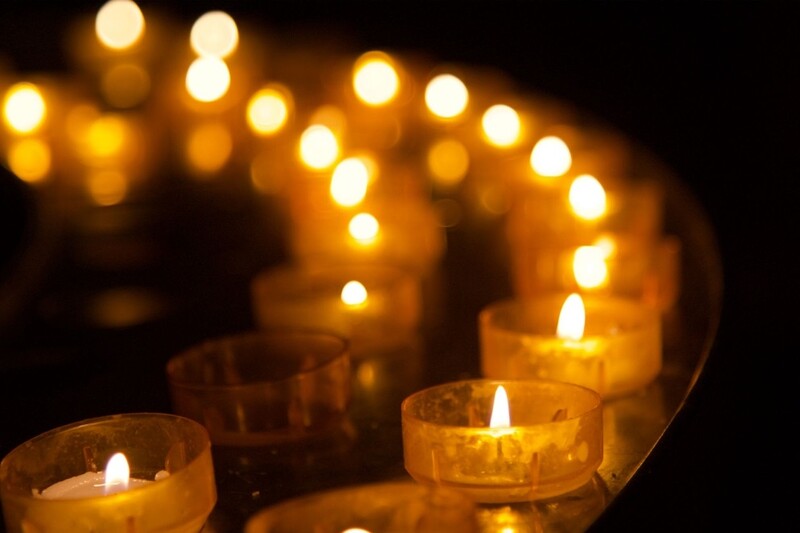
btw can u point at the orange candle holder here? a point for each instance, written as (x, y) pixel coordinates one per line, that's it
(169, 456)
(264, 387)
(312, 297)
(619, 352)
(553, 443)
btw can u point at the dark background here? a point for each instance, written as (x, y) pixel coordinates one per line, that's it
(710, 88)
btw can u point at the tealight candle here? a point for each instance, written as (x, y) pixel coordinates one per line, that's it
(611, 345)
(51, 482)
(503, 441)
(356, 301)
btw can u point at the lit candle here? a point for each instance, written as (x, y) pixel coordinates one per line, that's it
(503, 441)
(115, 478)
(50, 483)
(360, 302)
(611, 345)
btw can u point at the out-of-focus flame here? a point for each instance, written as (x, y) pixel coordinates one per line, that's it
(501, 125)
(349, 182)
(589, 267)
(354, 294)
(587, 197)
(448, 162)
(551, 157)
(319, 147)
(268, 110)
(24, 109)
(446, 96)
(364, 228)
(375, 79)
(214, 34)
(119, 24)
(572, 319)
(208, 79)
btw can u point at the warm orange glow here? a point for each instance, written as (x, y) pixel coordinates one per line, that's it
(572, 319)
(589, 267)
(117, 474)
(354, 294)
(364, 228)
(319, 147)
(24, 109)
(446, 96)
(267, 173)
(119, 24)
(448, 162)
(587, 197)
(106, 136)
(209, 147)
(501, 125)
(349, 182)
(268, 110)
(501, 417)
(375, 79)
(107, 187)
(208, 79)
(29, 159)
(355, 530)
(214, 34)
(551, 157)
(125, 85)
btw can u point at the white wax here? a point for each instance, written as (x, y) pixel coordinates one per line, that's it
(86, 485)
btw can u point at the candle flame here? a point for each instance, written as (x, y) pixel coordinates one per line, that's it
(364, 228)
(214, 34)
(117, 474)
(501, 418)
(589, 266)
(24, 109)
(349, 182)
(354, 294)
(119, 24)
(501, 125)
(446, 96)
(587, 197)
(572, 319)
(375, 79)
(551, 157)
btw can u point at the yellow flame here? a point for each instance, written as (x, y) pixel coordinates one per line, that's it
(119, 24)
(364, 228)
(501, 417)
(319, 147)
(268, 110)
(214, 34)
(589, 267)
(550, 157)
(208, 79)
(29, 159)
(501, 125)
(375, 79)
(448, 162)
(587, 197)
(117, 474)
(106, 136)
(354, 294)
(24, 109)
(572, 319)
(446, 96)
(349, 182)
(607, 244)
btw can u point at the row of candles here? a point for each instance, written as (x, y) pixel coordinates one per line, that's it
(369, 180)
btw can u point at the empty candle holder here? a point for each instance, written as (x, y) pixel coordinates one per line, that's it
(62, 480)
(264, 387)
(502, 441)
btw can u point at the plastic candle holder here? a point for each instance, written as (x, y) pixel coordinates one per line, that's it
(264, 387)
(169, 456)
(388, 506)
(620, 350)
(311, 297)
(553, 445)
